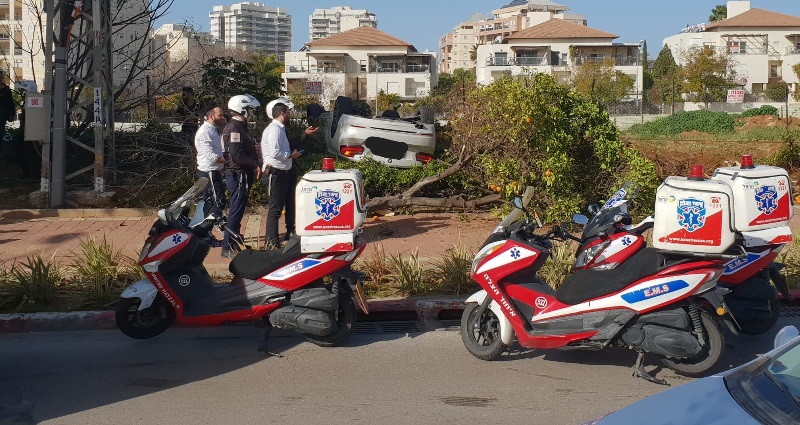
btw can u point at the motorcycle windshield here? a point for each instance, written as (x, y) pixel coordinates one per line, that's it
(189, 195)
(603, 221)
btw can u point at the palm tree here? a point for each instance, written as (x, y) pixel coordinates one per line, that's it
(718, 13)
(473, 53)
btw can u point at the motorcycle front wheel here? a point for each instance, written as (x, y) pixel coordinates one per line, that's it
(146, 323)
(481, 333)
(708, 356)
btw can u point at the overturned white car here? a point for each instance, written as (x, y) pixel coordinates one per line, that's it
(394, 141)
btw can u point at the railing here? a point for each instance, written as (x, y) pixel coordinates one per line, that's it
(628, 61)
(518, 61)
(417, 68)
(313, 69)
(792, 51)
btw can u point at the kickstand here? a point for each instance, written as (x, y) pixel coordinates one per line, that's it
(262, 346)
(639, 372)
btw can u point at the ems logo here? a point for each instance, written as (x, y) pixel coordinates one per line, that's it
(329, 204)
(767, 199)
(691, 214)
(176, 239)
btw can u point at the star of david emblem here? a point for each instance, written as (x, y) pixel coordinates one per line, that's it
(328, 204)
(515, 254)
(176, 239)
(627, 241)
(691, 214)
(767, 199)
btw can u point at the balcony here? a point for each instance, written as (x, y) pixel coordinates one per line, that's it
(518, 61)
(412, 68)
(792, 51)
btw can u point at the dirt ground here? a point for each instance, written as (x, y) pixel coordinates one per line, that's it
(765, 121)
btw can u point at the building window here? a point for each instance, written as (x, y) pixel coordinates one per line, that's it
(737, 47)
(595, 57)
(773, 71)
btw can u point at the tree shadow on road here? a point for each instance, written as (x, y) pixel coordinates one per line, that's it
(402, 228)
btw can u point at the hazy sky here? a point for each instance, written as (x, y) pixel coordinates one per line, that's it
(422, 22)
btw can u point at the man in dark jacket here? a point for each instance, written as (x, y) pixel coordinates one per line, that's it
(8, 109)
(241, 165)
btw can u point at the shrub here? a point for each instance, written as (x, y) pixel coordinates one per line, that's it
(777, 91)
(34, 282)
(377, 270)
(703, 121)
(100, 272)
(559, 265)
(788, 156)
(763, 110)
(454, 269)
(409, 274)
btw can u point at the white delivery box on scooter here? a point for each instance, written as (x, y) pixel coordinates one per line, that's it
(330, 209)
(693, 214)
(762, 195)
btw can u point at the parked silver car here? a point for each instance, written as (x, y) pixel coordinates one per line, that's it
(394, 141)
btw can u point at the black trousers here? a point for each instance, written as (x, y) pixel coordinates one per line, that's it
(239, 183)
(214, 193)
(279, 187)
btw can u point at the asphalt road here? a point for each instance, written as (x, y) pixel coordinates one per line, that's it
(215, 376)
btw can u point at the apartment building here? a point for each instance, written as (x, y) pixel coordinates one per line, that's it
(21, 34)
(360, 63)
(178, 42)
(557, 47)
(457, 48)
(253, 26)
(324, 23)
(764, 45)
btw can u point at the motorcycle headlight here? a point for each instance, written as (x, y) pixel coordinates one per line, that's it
(587, 255)
(483, 253)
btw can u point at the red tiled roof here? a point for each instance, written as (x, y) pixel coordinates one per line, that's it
(758, 18)
(559, 28)
(361, 36)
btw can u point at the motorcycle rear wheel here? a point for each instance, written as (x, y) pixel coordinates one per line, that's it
(346, 320)
(707, 358)
(750, 327)
(481, 335)
(146, 323)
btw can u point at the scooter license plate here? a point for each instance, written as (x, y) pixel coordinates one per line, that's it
(361, 296)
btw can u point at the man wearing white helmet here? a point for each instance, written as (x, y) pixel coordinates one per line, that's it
(279, 174)
(241, 166)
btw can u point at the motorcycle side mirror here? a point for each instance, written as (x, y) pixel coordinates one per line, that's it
(518, 204)
(594, 209)
(580, 219)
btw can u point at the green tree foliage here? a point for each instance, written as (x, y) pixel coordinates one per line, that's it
(266, 74)
(664, 72)
(777, 91)
(601, 82)
(458, 80)
(387, 101)
(532, 131)
(796, 69)
(224, 77)
(718, 13)
(707, 75)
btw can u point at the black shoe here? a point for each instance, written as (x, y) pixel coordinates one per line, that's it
(289, 235)
(227, 253)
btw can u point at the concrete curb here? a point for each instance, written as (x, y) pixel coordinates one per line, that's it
(425, 310)
(26, 214)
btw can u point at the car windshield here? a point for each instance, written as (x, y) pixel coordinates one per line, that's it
(785, 369)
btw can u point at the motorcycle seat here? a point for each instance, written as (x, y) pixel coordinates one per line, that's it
(251, 264)
(584, 285)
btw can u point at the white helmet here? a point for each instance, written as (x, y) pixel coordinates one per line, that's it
(241, 102)
(284, 100)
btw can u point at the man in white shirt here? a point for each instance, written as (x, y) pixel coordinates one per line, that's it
(211, 160)
(279, 177)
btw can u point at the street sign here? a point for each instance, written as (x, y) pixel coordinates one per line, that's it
(735, 96)
(314, 88)
(98, 107)
(34, 101)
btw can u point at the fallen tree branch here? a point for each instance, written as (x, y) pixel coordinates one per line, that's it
(451, 202)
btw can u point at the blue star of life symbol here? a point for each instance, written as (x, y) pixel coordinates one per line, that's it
(627, 241)
(767, 199)
(328, 204)
(691, 214)
(176, 239)
(515, 254)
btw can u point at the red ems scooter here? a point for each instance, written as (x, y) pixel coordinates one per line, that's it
(307, 286)
(624, 295)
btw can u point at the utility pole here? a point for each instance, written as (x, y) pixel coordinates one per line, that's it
(77, 57)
